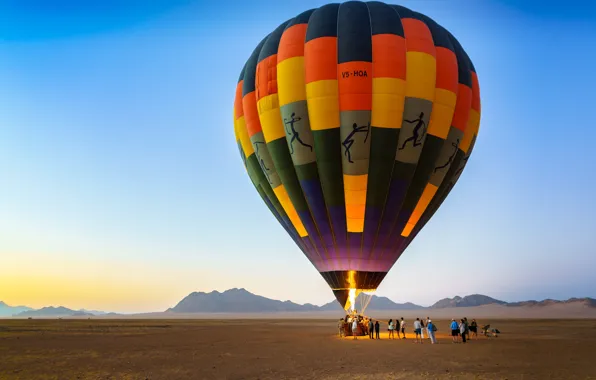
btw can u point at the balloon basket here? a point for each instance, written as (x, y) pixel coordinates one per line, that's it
(361, 330)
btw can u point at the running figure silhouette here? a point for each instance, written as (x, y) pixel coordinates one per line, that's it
(416, 136)
(463, 165)
(261, 162)
(456, 146)
(295, 135)
(349, 141)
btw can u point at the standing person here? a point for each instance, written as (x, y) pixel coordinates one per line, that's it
(417, 331)
(390, 328)
(474, 328)
(462, 330)
(340, 325)
(377, 328)
(403, 327)
(467, 328)
(355, 328)
(422, 328)
(397, 328)
(371, 329)
(430, 329)
(454, 330)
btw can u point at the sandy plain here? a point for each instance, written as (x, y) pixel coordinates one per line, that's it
(304, 348)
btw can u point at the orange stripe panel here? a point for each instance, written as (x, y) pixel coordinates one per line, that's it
(355, 86)
(418, 37)
(251, 114)
(462, 107)
(238, 110)
(389, 56)
(320, 59)
(291, 43)
(447, 74)
(266, 77)
(475, 92)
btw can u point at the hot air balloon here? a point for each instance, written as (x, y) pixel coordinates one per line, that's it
(354, 122)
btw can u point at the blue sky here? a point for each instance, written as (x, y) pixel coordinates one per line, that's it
(121, 186)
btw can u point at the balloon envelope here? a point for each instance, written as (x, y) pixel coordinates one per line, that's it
(354, 122)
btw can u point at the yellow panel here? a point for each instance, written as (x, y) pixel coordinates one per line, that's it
(421, 74)
(286, 204)
(355, 225)
(237, 136)
(243, 134)
(427, 195)
(323, 104)
(388, 102)
(355, 189)
(235, 125)
(408, 229)
(355, 182)
(355, 195)
(471, 130)
(270, 118)
(355, 211)
(290, 80)
(268, 103)
(442, 113)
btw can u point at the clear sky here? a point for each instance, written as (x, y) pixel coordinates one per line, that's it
(121, 186)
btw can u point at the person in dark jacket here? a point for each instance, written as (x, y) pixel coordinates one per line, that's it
(474, 328)
(377, 329)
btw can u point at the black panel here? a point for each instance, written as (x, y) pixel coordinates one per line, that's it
(323, 22)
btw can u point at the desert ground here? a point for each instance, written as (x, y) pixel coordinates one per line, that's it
(287, 349)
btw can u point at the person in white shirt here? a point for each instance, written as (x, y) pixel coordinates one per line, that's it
(462, 330)
(403, 327)
(417, 330)
(390, 329)
(355, 328)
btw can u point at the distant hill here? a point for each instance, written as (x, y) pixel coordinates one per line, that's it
(467, 301)
(235, 301)
(376, 303)
(93, 312)
(59, 311)
(49, 311)
(80, 314)
(242, 301)
(7, 311)
(481, 300)
(589, 302)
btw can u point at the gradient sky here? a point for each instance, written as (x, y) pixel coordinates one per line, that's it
(121, 186)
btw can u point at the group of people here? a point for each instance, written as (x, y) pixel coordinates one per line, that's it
(460, 331)
(419, 329)
(358, 325)
(361, 325)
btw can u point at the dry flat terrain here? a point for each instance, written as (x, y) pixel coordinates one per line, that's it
(286, 349)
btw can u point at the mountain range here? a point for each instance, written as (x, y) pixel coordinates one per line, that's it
(239, 300)
(7, 311)
(242, 301)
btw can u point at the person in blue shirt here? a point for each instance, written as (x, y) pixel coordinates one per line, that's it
(454, 330)
(430, 327)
